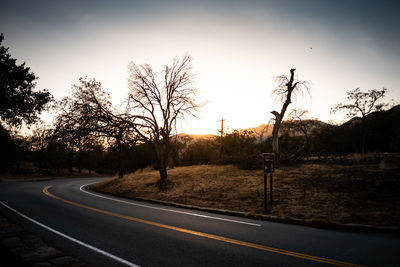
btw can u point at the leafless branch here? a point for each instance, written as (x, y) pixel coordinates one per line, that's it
(158, 101)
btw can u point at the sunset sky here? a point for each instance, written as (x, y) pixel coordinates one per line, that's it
(238, 48)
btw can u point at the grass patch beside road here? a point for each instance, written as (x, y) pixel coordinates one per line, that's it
(361, 194)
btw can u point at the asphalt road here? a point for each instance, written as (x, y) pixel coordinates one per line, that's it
(104, 230)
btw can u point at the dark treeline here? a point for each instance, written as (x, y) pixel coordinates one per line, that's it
(47, 155)
(44, 153)
(383, 134)
(299, 140)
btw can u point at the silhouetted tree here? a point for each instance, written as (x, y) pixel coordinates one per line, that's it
(286, 86)
(18, 102)
(57, 154)
(297, 122)
(201, 151)
(240, 149)
(362, 103)
(90, 154)
(89, 113)
(160, 103)
(38, 143)
(9, 148)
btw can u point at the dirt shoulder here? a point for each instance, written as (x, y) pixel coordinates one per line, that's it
(19, 247)
(364, 194)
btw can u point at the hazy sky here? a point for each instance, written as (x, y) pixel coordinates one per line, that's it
(238, 48)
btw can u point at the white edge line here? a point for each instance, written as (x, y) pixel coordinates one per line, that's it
(116, 258)
(170, 210)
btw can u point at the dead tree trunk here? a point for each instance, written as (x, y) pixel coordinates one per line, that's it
(119, 156)
(275, 135)
(288, 90)
(364, 134)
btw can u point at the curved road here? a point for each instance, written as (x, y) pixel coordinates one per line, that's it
(105, 230)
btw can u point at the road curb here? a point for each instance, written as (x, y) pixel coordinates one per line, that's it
(20, 247)
(269, 218)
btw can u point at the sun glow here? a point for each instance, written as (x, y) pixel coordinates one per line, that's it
(237, 53)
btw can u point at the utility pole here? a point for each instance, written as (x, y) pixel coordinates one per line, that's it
(222, 138)
(222, 127)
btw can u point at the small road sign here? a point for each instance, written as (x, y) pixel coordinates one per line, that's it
(269, 162)
(269, 167)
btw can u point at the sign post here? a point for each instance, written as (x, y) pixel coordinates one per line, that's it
(269, 167)
(265, 190)
(270, 189)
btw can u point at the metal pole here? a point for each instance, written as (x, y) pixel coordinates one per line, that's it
(221, 150)
(270, 189)
(265, 191)
(222, 128)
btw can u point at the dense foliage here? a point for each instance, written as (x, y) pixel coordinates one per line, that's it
(18, 101)
(51, 156)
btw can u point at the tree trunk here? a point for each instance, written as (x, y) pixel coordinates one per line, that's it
(162, 183)
(162, 152)
(119, 164)
(307, 142)
(162, 168)
(71, 162)
(308, 148)
(279, 116)
(40, 168)
(364, 136)
(275, 141)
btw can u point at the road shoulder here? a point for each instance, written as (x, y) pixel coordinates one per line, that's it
(264, 217)
(20, 247)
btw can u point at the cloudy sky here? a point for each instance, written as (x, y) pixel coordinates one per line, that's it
(238, 48)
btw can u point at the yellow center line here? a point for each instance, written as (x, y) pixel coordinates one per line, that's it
(205, 235)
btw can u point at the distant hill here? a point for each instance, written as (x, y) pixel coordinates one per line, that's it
(263, 131)
(383, 133)
(375, 117)
(196, 136)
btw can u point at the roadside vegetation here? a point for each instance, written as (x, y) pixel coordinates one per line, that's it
(360, 189)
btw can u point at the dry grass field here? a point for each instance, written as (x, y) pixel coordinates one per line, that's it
(356, 193)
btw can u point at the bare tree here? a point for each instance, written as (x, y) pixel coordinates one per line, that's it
(297, 122)
(89, 113)
(159, 101)
(286, 87)
(362, 103)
